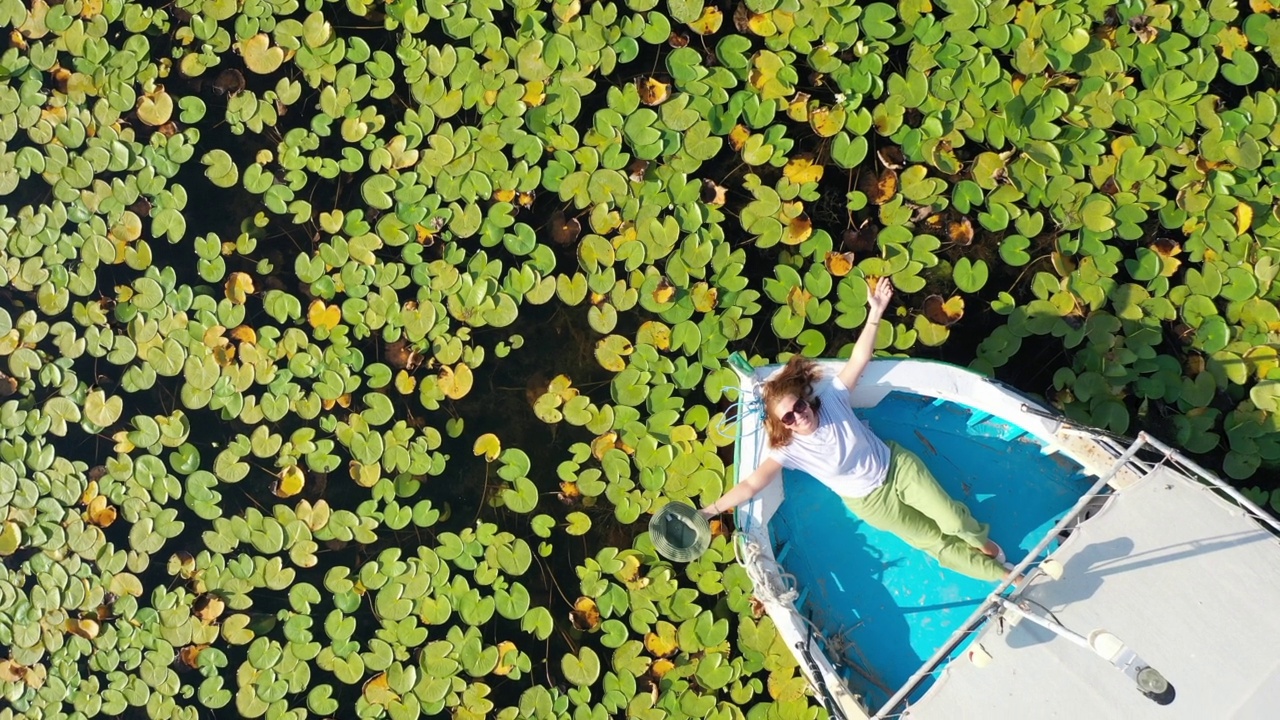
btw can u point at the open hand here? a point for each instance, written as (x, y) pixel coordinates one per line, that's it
(880, 296)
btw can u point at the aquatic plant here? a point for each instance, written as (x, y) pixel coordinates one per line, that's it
(345, 347)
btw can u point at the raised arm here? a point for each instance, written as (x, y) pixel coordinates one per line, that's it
(866, 344)
(768, 471)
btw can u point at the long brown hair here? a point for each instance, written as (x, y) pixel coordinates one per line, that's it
(795, 378)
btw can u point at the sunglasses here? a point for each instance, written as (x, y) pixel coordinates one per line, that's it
(802, 406)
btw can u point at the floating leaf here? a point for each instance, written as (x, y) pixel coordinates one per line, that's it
(582, 668)
(772, 76)
(712, 193)
(797, 230)
(1098, 215)
(101, 410)
(798, 107)
(1168, 251)
(208, 608)
(579, 523)
(455, 381)
(506, 649)
(704, 297)
(289, 482)
(564, 230)
(1244, 218)
(610, 352)
(1242, 70)
(155, 107)
(11, 672)
(662, 642)
(603, 443)
(970, 276)
(220, 168)
(190, 655)
(10, 538)
(881, 188)
(323, 316)
(758, 23)
(826, 122)
(838, 264)
(654, 333)
(487, 445)
(709, 22)
(99, 512)
(942, 312)
(802, 170)
(259, 55)
(377, 690)
(652, 91)
(960, 231)
(585, 615)
(238, 287)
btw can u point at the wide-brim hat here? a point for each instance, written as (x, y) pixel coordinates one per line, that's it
(679, 532)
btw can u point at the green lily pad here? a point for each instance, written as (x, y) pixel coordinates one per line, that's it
(611, 351)
(101, 410)
(582, 668)
(220, 168)
(970, 276)
(579, 523)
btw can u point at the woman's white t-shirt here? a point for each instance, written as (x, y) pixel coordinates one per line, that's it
(842, 453)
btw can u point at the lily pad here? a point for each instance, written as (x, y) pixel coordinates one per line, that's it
(260, 56)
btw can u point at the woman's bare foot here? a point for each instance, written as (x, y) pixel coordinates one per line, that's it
(991, 549)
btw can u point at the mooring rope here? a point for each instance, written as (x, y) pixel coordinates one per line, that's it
(771, 582)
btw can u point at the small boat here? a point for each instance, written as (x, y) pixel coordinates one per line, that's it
(1134, 558)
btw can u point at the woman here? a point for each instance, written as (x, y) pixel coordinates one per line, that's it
(811, 426)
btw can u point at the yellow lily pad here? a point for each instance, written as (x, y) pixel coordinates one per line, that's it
(155, 108)
(291, 481)
(10, 538)
(802, 170)
(260, 56)
(652, 91)
(324, 316)
(709, 22)
(456, 381)
(238, 287)
(1244, 218)
(487, 445)
(798, 230)
(377, 691)
(839, 264)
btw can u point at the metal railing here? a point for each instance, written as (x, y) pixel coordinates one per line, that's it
(1215, 482)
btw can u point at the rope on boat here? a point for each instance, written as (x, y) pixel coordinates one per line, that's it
(744, 406)
(775, 585)
(771, 582)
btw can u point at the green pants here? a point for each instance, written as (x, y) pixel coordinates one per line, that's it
(911, 505)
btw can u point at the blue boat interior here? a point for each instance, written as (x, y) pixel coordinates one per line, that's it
(882, 607)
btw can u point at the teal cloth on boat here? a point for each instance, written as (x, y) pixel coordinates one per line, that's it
(912, 505)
